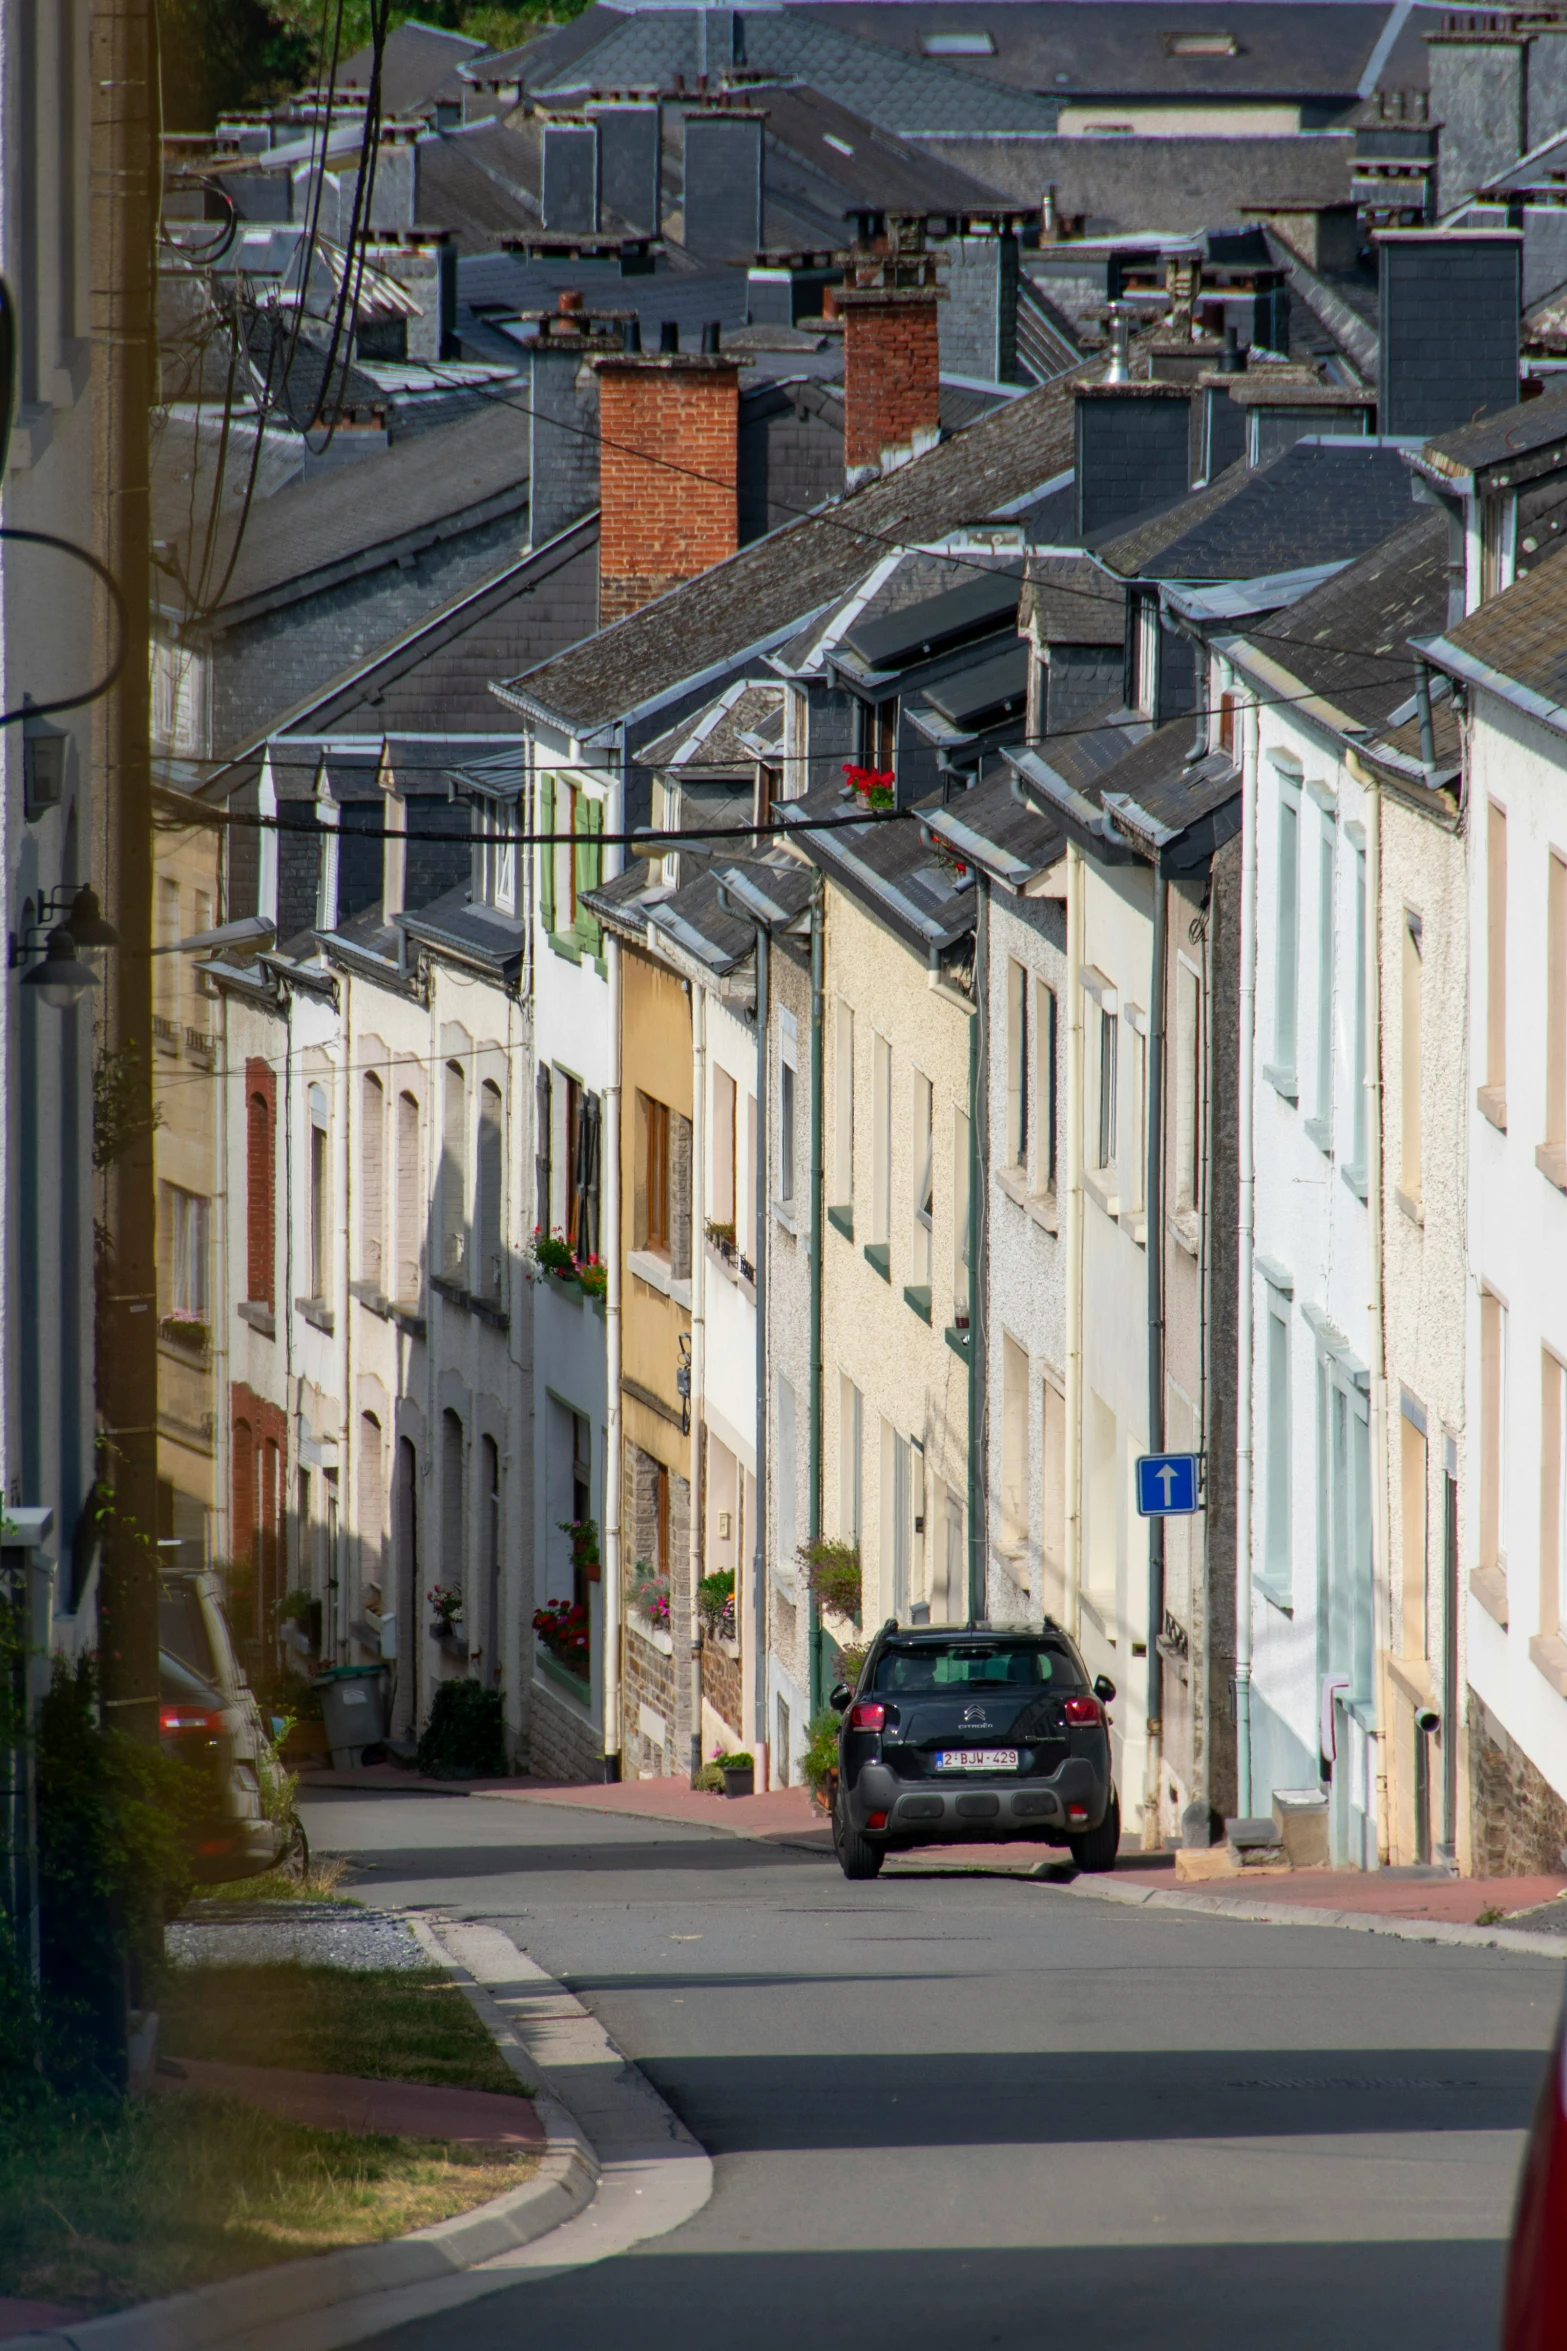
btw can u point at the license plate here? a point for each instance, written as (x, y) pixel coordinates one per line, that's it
(977, 1759)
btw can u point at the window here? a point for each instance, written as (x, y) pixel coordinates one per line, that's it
(490, 1193)
(166, 967)
(1046, 1041)
(1014, 1445)
(260, 1178)
(1556, 1013)
(723, 1162)
(786, 1081)
(1109, 1083)
(1277, 1549)
(1134, 1186)
(573, 1133)
(1323, 1104)
(881, 1140)
(586, 1151)
(452, 1570)
(1357, 1052)
(1201, 45)
(1188, 1089)
(785, 1473)
(956, 1549)
(1494, 1093)
(1493, 1431)
(961, 1280)
(581, 1498)
(543, 1169)
(879, 735)
(897, 1529)
(372, 1179)
(370, 1511)
(1018, 1069)
(679, 1196)
(843, 1109)
(1410, 1058)
(495, 854)
(320, 1181)
(1287, 942)
(1103, 1503)
(188, 1217)
(851, 1446)
(454, 1170)
(1053, 1497)
(547, 851)
(1412, 1511)
(923, 1141)
(975, 44)
(1553, 1493)
(410, 1237)
(745, 1201)
(587, 868)
(489, 1624)
(655, 1174)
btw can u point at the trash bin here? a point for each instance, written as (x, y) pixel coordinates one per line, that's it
(353, 1705)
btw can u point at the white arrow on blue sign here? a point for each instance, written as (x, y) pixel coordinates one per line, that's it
(1167, 1485)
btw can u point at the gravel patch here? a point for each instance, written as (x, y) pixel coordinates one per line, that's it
(324, 1937)
(1547, 1917)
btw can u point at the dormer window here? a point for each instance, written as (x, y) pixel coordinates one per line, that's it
(495, 861)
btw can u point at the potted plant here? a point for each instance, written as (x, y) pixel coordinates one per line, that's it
(585, 1559)
(592, 1277)
(715, 1599)
(739, 1772)
(446, 1607)
(649, 1595)
(877, 787)
(832, 1569)
(563, 1630)
(819, 1763)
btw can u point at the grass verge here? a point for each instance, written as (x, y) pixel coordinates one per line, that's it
(391, 2024)
(319, 1883)
(100, 2207)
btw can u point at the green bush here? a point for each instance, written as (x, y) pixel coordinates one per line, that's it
(464, 1738)
(820, 1758)
(715, 1600)
(833, 1572)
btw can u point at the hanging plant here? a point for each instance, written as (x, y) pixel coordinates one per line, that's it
(832, 1569)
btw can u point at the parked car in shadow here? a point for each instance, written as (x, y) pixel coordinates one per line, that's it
(208, 1718)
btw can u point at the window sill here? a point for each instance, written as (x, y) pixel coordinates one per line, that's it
(656, 1271)
(1548, 1655)
(878, 1256)
(1101, 1188)
(574, 1686)
(917, 1295)
(1551, 1160)
(1491, 1102)
(1041, 1206)
(1277, 1595)
(957, 1337)
(738, 1271)
(486, 1309)
(842, 1221)
(1488, 1585)
(370, 1297)
(1355, 1177)
(1185, 1230)
(259, 1315)
(317, 1313)
(1410, 1207)
(1283, 1081)
(654, 1635)
(1320, 1132)
(783, 1213)
(408, 1318)
(1134, 1223)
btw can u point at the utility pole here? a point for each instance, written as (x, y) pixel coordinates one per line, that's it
(125, 206)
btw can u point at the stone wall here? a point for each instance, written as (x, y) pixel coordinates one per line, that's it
(1519, 1823)
(562, 1743)
(721, 1685)
(648, 1697)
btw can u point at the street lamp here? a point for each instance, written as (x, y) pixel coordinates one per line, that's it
(60, 979)
(86, 921)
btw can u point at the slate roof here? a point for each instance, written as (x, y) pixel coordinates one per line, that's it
(1318, 502)
(440, 481)
(1349, 639)
(475, 934)
(1175, 183)
(1521, 442)
(880, 169)
(1071, 602)
(419, 62)
(772, 586)
(888, 867)
(712, 740)
(1520, 636)
(1150, 799)
(697, 923)
(992, 828)
(465, 185)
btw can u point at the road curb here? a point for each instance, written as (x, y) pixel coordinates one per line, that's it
(251, 2307)
(1305, 1914)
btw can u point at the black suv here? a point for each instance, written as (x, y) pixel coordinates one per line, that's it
(972, 1734)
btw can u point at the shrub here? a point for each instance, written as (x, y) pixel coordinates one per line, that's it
(832, 1569)
(715, 1600)
(464, 1737)
(820, 1758)
(739, 1761)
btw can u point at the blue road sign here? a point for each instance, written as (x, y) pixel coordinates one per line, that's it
(1167, 1485)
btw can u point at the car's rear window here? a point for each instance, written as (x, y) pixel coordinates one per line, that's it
(971, 1665)
(183, 1629)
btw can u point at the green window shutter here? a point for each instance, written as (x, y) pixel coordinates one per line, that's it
(547, 855)
(590, 863)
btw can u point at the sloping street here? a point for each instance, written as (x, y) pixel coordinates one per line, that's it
(977, 2109)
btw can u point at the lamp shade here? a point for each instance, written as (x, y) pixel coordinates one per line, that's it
(60, 979)
(87, 924)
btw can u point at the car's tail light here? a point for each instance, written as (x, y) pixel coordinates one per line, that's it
(189, 1718)
(876, 1820)
(1077, 1812)
(1537, 2263)
(1083, 1710)
(867, 1715)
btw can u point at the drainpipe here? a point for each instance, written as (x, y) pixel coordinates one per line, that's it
(978, 1095)
(1154, 1212)
(815, 1497)
(614, 1443)
(697, 998)
(1246, 1189)
(759, 1555)
(1381, 1547)
(1074, 1239)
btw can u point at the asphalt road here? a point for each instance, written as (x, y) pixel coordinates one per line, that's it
(951, 2112)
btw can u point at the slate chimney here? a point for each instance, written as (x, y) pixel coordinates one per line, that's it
(1133, 451)
(571, 178)
(629, 161)
(722, 169)
(668, 472)
(1449, 303)
(891, 350)
(1479, 83)
(563, 424)
(425, 262)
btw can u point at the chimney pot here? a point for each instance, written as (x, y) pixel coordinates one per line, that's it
(668, 337)
(570, 301)
(1232, 360)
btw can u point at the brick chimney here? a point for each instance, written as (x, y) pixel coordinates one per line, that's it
(663, 522)
(891, 350)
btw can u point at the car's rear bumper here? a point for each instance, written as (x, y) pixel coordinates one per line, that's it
(973, 1811)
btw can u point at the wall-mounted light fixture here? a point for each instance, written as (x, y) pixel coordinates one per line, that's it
(61, 978)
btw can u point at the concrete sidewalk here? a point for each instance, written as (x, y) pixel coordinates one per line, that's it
(365, 2109)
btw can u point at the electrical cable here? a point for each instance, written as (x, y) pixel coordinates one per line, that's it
(102, 572)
